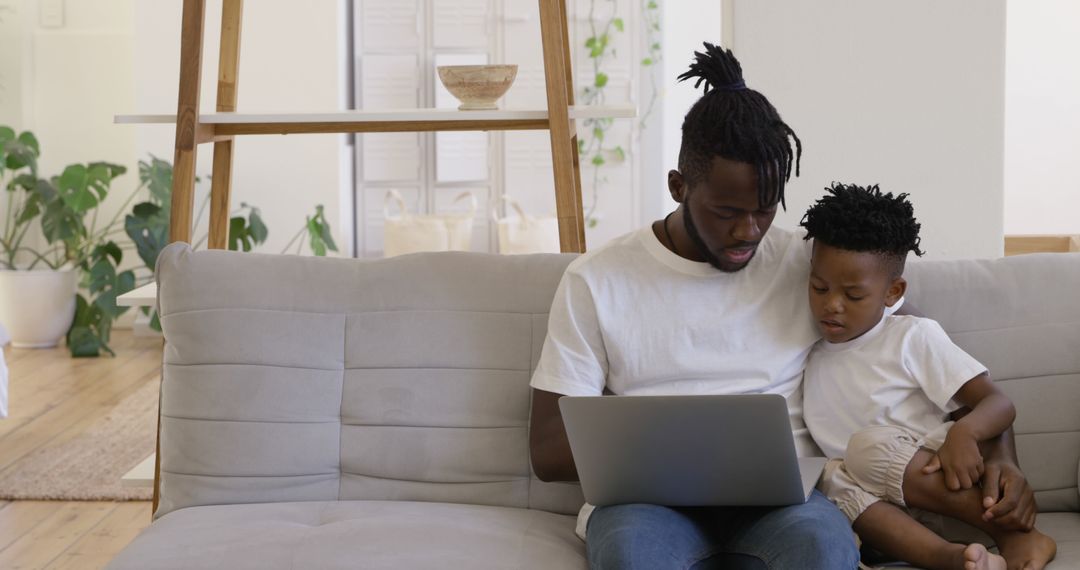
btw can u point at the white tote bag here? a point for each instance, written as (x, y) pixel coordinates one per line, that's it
(524, 233)
(408, 233)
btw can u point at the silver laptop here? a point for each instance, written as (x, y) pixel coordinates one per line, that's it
(687, 450)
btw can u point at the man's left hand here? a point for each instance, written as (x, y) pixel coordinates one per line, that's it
(1007, 497)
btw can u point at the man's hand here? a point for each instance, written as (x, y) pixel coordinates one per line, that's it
(1007, 497)
(959, 458)
(1009, 500)
(549, 447)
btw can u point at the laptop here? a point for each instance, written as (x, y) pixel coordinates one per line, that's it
(687, 450)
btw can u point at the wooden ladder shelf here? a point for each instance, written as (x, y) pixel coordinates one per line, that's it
(221, 128)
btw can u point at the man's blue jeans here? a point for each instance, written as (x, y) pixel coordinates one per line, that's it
(808, 536)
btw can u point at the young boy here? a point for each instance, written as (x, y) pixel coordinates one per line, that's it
(879, 390)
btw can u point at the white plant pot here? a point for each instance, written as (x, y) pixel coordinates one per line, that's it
(37, 307)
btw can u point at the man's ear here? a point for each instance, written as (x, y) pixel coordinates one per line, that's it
(896, 291)
(676, 185)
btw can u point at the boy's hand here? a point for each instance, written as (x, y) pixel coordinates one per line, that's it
(959, 458)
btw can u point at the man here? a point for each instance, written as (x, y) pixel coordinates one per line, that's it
(708, 300)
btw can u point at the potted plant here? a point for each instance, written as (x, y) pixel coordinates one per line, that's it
(148, 227)
(39, 300)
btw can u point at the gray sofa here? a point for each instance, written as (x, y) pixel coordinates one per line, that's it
(327, 413)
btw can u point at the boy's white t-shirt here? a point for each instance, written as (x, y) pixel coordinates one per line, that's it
(640, 320)
(904, 372)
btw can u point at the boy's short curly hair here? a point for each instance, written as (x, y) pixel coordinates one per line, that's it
(855, 218)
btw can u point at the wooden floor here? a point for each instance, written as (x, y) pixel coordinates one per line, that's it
(52, 398)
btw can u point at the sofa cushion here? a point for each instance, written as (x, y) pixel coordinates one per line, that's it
(1062, 527)
(1065, 529)
(355, 534)
(1020, 316)
(292, 379)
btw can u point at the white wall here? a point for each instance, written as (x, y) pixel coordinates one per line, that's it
(290, 61)
(906, 94)
(1042, 117)
(65, 79)
(108, 57)
(12, 65)
(686, 25)
(68, 78)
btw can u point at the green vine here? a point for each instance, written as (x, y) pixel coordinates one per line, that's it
(594, 147)
(650, 22)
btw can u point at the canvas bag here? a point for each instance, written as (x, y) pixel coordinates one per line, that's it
(408, 233)
(525, 233)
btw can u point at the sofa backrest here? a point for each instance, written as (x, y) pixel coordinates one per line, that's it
(296, 379)
(308, 379)
(1020, 316)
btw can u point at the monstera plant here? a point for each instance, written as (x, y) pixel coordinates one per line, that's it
(148, 224)
(60, 261)
(38, 297)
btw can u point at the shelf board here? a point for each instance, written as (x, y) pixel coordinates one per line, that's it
(142, 475)
(401, 120)
(145, 296)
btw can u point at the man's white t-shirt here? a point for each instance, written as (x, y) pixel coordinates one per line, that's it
(904, 372)
(640, 320)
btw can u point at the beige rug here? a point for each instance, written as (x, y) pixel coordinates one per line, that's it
(89, 467)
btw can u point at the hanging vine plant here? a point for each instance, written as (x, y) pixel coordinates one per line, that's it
(650, 23)
(594, 145)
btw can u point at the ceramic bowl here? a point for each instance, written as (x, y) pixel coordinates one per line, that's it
(477, 86)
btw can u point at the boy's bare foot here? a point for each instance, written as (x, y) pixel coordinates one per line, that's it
(976, 557)
(1031, 550)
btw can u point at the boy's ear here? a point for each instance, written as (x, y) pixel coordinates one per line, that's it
(676, 186)
(895, 292)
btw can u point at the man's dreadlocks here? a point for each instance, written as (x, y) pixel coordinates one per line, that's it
(737, 123)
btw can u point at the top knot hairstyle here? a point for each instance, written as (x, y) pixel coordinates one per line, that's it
(864, 219)
(735, 122)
